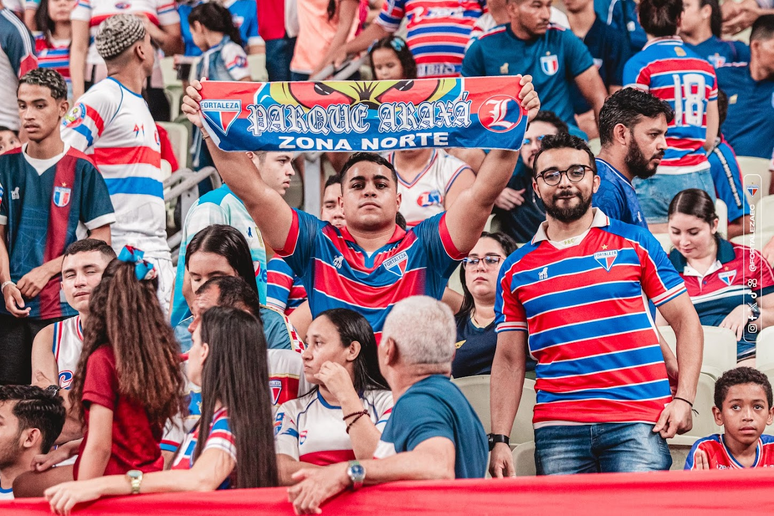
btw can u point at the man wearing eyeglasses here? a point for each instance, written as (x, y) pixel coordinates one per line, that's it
(580, 291)
(517, 207)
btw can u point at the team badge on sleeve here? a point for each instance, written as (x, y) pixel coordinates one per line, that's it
(65, 379)
(75, 117)
(278, 423)
(549, 64)
(62, 196)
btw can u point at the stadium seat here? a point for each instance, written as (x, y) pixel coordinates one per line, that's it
(704, 422)
(719, 349)
(756, 177)
(764, 214)
(257, 65)
(180, 139)
(722, 212)
(173, 87)
(524, 460)
(679, 446)
(664, 240)
(764, 349)
(476, 390)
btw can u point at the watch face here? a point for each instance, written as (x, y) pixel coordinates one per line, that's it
(134, 474)
(357, 471)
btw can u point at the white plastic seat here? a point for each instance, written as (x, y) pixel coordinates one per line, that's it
(704, 423)
(764, 349)
(180, 138)
(524, 460)
(257, 65)
(476, 390)
(719, 349)
(756, 176)
(721, 210)
(664, 240)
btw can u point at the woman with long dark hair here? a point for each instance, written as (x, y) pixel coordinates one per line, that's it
(343, 416)
(232, 445)
(731, 285)
(476, 338)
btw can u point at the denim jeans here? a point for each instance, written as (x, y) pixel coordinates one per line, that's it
(657, 192)
(279, 52)
(600, 448)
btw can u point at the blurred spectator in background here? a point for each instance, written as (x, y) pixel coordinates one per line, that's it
(52, 45)
(17, 50)
(245, 19)
(700, 29)
(324, 27)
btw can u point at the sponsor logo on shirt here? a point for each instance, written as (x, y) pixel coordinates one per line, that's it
(499, 113)
(397, 264)
(338, 261)
(62, 195)
(549, 64)
(15, 194)
(65, 379)
(543, 274)
(302, 437)
(727, 277)
(504, 69)
(278, 422)
(606, 258)
(223, 112)
(426, 199)
(75, 117)
(717, 60)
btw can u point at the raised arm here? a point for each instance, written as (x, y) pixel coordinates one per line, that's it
(467, 217)
(681, 316)
(268, 209)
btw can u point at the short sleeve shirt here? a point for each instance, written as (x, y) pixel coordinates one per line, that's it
(435, 407)
(553, 60)
(220, 438)
(727, 177)
(720, 457)
(616, 196)
(135, 442)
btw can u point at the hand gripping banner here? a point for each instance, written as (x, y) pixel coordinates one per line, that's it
(475, 112)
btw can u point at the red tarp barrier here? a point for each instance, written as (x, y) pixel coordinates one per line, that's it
(683, 493)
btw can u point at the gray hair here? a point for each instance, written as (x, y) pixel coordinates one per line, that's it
(423, 329)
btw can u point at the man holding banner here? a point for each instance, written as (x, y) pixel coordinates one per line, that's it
(370, 264)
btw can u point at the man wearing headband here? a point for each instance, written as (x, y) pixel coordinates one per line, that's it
(111, 122)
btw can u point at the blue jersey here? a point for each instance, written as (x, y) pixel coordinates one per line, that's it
(610, 51)
(728, 180)
(226, 61)
(622, 16)
(553, 60)
(285, 291)
(338, 273)
(616, 196)
(243, 13)
(435, 407)
(41, 213)
(669, 70)
(721, 52)
(748, 126)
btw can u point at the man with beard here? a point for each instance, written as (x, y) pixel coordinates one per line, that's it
(580, 291)
(30, 420)
(632, 128)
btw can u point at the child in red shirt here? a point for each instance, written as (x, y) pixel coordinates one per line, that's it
(128, 381)
(743, 400)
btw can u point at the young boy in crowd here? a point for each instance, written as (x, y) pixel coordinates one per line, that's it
(743, 400)
(9, 140)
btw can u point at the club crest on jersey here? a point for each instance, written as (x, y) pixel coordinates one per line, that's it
(276, 389)
(752, 190)
(606, 258)
(123, 5)
(549, 64)
(302, 437)
(397, 264)
(75, 117)
(222, 112)
(62, 196)
(278, 423)
(727, 277)
(499, 113)
(426, 199)
(65, 379)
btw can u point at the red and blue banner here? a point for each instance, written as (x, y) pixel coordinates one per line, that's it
(347, 116)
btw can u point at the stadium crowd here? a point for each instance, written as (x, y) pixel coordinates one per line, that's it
(323, 351)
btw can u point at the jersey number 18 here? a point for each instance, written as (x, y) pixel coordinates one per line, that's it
(689, 99)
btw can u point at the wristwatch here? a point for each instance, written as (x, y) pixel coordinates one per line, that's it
(356, 473)
(135, 479)
(497, 438)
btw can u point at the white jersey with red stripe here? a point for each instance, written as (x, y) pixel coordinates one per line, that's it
(159, 12)
(311, 430)
(113, 125)
(424, 196)
(286, 383)
(67, 346)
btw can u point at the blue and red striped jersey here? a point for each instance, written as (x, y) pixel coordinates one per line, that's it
(338, 273)
(221, 438)
(672, 72)
(438, 31)
(285, 291)
(584, 304)
(53, 54)
(42, 211)
(720, 457)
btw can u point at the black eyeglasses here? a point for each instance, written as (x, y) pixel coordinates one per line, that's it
(489, 260)
(575, 174)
